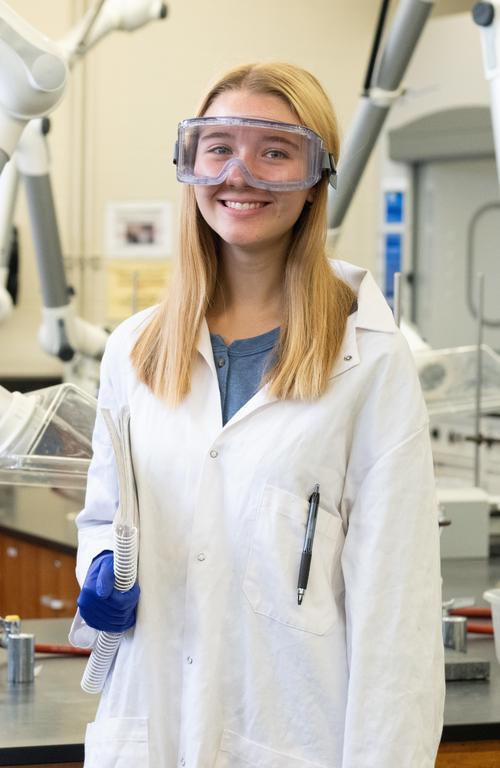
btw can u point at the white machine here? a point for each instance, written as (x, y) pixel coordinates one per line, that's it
(45, 437)
(62, 333)
(33, 76)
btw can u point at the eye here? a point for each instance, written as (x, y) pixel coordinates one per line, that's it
(275, 154)
(219, 149)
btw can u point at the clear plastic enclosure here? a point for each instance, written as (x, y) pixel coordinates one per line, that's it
(46, 436)
(449, 376)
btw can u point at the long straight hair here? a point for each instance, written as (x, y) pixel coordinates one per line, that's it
(316, 303)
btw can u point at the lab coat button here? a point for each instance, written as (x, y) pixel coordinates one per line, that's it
(189, 660)
(347, 358)
(182, 761)
(201, 557)
(214, 454)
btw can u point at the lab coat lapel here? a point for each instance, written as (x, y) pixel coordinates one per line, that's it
(205, 347)
(205, 386)
(261, 397)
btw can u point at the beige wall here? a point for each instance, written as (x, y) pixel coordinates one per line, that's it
(113, 136)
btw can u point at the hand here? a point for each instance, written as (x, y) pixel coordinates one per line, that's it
(101, 605)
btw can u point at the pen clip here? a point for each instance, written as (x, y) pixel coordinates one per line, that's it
(314, 490)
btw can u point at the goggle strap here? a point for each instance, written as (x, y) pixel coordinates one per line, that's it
(330, 167)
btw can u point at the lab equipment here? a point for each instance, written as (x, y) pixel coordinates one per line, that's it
(33, 76)
(126, 537)
(46, 436)
(62, 333)
(21, 658)
(270, 155)
(468, 511)
(101, 606)
(455, 633)
(8, 191)
(20, 650)
(492, 596)
(381, 89)
(485, 15)
(449, 379)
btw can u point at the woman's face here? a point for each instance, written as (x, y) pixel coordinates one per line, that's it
(241, 215)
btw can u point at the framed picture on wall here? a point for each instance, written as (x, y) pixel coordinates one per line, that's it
(138, 229)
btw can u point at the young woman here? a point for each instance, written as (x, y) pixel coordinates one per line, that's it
(271, 390)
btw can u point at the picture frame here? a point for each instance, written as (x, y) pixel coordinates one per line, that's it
(138, 229)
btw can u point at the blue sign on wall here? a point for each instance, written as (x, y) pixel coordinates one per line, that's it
(394, 207)
(393, 247)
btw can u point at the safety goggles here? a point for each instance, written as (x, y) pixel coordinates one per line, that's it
(279, 157)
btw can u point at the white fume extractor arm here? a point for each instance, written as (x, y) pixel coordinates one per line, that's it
(380, 91)
(32, 78)
(487, 17)
(9, 183)
(62, 333)
(109, 16)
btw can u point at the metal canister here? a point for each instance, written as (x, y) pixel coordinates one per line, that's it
(20, 658)
(455, 633)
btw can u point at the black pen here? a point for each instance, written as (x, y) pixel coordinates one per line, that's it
(305, 560)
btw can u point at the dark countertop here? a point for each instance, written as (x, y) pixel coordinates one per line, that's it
(46, 721)
(42, 515)
(472, 709)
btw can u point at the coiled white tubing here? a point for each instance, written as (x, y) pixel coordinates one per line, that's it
(103, 653)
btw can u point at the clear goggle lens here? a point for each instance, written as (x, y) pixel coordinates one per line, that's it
(269, 155)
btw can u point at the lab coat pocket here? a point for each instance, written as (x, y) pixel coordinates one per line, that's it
(117, 742)
(238, 752)
(270, 580)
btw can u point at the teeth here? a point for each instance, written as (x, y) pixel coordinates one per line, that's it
(242, 206)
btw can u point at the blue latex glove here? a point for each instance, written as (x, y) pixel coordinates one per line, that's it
(101, 605)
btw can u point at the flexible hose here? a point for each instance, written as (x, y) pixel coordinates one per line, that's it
(103, 653)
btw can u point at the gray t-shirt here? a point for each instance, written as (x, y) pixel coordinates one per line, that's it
(240, 367)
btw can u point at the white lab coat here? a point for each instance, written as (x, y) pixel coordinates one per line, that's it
(223, 668)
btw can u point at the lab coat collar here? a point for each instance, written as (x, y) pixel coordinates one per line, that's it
(205, 346)
(373, 313)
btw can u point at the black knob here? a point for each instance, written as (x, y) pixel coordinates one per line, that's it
(163, 11)
(483, 14)
(66, 353)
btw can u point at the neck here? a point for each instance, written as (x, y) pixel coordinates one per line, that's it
(248, 296)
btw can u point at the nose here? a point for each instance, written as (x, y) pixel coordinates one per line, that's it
(235, 175)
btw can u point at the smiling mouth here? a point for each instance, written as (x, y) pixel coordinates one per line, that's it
(243, 206)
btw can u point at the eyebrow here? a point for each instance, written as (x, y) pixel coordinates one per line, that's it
(215, 135)
(278, 139)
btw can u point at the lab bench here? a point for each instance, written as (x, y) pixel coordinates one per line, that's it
(45, 722)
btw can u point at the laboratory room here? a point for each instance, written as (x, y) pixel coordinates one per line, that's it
(250, 384)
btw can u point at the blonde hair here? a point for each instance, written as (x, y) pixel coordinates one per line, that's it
(316, 303)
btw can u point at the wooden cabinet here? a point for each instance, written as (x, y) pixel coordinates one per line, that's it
(36, 581)
(469, 754)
